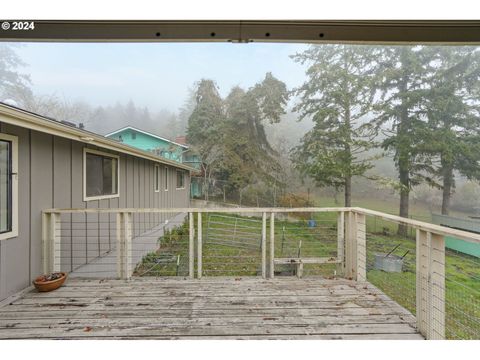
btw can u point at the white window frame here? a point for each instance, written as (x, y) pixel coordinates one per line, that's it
(100, 197)
(14, 232)
(156, 178)
(165, 177)
(183, 174)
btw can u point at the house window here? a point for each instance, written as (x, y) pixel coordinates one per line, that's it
(180, 179)
(166, 178)
(8, 186)
(101, 173)
(134, 135)
(156, 180)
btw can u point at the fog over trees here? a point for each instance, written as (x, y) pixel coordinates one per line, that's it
(399, 122)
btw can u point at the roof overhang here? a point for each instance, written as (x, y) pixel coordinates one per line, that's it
(25, 119)
(129, 127)
(318, 31)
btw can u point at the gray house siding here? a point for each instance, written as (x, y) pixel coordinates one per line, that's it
(50, 175)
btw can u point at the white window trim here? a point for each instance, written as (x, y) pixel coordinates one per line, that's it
(14, 232)
(101, 197)
(183, 187)
(156, 178)
(165, 186)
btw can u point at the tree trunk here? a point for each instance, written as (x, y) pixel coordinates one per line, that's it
(447, 187)
(404, 155)
(348, 191)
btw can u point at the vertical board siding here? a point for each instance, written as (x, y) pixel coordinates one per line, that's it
(41, 178)
(51, 175)
(15, 270)
(62, 189)
(79, 230)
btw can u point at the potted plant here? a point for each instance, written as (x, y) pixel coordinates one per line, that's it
(50, 282)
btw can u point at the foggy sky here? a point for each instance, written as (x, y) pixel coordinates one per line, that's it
(156, 75)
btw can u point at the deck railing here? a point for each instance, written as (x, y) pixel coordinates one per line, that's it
(273, 241)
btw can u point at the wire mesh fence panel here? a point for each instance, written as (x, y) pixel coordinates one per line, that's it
(462, 296)
(88, 245)
(303, 236)
(391, 261)
(164, 249)
(232, 245)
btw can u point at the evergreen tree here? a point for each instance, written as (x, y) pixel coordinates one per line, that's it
(230, 136)
(205, 127)
(403, 83)
(248, 157)
(13, 85)
(208, 116)
(453, 115)
(337, 96)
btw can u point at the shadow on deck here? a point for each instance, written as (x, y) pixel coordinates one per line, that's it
(210, 308)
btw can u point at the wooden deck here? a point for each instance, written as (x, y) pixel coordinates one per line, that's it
(246, 308)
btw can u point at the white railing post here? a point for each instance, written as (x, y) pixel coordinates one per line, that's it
(191, 247)
(430, 285)
(124, 245)
(264, 245)
(361, 240)
(355, 246)
(199, 246)
(51, 239)
(272, 245)
(350, 258)
(341, 243)
(120, 245)
(128, 245)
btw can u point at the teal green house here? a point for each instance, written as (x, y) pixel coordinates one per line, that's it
(149, 142)
(172, 150)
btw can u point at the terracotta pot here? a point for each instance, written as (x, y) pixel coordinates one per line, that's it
(49, 285)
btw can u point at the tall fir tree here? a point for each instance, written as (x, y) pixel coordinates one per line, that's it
(337, 96)
(453, 115)
(403, 83)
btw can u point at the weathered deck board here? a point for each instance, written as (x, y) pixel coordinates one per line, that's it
(249, 308)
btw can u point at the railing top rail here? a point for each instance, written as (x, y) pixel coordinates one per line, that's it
(421, 225)
(437, 229)
(253, 210)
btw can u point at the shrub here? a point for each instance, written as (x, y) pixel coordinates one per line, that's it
(296, 200)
